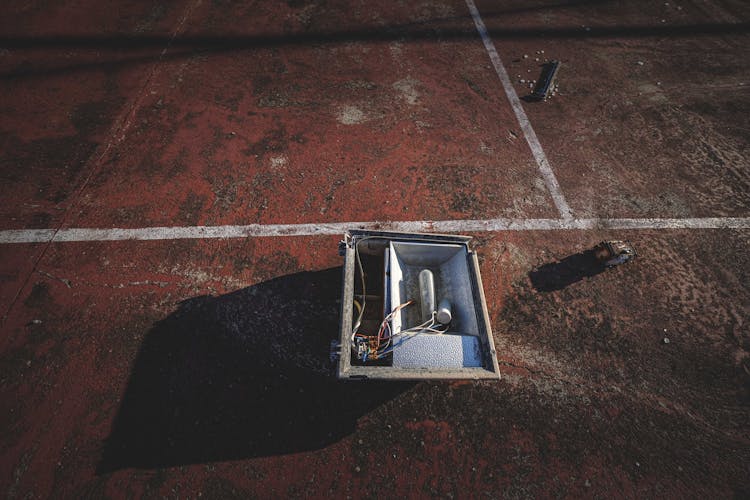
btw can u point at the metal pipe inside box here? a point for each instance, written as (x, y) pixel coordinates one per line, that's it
(433, 274)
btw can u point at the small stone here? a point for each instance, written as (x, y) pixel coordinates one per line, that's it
(541, 52)
(531, 85)
(525, 56)
(522, 80)
(36, 321)
(357, 469)
(665, 340)
(587, 484)
(640, 63)
(536, 59)
(664, 20)
(637, 464)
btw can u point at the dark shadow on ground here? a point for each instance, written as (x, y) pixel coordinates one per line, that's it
(242, 375)
(558, 275)
(128, 48)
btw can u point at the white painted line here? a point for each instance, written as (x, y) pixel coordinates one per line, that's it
(338, 228)
(26, 235)
(536, 149)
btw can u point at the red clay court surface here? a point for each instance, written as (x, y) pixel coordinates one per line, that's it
(160, 365)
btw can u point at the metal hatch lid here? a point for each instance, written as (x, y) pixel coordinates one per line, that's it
(345, 368)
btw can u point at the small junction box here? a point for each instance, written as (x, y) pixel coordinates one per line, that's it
(413, 308)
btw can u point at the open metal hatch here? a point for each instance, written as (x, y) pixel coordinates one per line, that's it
(413, 308)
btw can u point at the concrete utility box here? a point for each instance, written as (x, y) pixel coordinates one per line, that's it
(413, 308)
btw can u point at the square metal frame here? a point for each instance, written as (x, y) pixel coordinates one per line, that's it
(345, 369)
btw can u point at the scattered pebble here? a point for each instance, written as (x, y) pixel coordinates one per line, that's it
(536, 59)
(36, 321)
(666, 340)
(640, 63)
(525, 56)
(522, 80)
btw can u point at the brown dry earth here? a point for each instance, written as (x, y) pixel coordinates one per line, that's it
(200, 367)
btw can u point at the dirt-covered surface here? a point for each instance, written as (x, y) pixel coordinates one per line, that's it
(186, 368)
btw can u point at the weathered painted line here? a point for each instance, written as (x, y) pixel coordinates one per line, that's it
(15, 236)
(528, 131)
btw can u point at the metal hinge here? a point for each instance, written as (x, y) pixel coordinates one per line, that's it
(335, 352)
